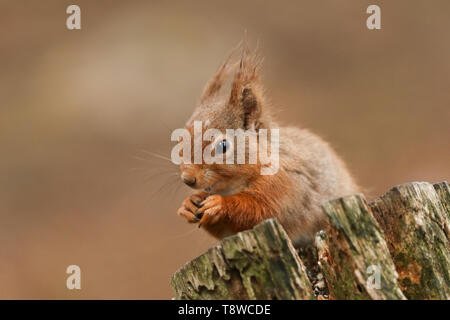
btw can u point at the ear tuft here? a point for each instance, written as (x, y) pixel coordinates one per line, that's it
(213, 87)
(246, 93)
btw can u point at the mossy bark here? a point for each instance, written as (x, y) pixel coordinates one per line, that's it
(353, 254)
(415, 223)
(257, 264)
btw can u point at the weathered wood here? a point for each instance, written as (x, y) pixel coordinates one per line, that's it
(353, 253)
(415, 223)
(257, 264)
(443, 191)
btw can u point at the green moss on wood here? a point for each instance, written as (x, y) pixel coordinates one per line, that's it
(257, 264)
(351, 244)
(415, 221)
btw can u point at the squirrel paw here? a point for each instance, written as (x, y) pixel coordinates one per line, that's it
(211, 209)
(190, 206)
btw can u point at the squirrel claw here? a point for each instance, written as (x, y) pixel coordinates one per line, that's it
(189, 216)
(210, 208)
(190, 207)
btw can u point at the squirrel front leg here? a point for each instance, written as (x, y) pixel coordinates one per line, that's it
(234, 213)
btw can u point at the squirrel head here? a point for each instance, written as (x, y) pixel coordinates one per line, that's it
(242, 108)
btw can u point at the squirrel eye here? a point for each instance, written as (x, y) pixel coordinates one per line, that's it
(222, 147)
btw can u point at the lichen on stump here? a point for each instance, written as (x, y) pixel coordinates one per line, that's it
(351, 249)
(256, 264)
(415, 222)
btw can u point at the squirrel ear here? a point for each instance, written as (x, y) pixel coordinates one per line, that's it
(246, 92)
(251, 107)
(214, 85)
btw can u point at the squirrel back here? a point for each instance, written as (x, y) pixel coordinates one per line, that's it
(233, 197)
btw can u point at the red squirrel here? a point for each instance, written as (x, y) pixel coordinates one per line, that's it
(236, 197)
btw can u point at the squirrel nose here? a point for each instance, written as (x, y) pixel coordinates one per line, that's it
(190, 181)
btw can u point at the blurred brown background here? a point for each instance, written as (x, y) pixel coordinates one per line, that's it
(78, 107)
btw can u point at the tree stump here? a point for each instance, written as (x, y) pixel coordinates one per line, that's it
(257, 264)
(396, 247)
(415, 223)
(353, 254)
